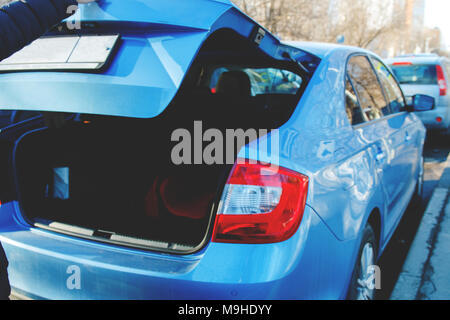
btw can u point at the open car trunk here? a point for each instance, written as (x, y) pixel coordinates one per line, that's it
(109, 174)
(114, 181)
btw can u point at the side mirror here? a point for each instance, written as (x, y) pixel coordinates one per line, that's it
(421, 102)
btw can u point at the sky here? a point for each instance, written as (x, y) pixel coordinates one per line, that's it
(437, 14)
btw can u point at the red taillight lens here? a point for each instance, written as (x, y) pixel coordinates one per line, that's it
(260, 204)
(441, 81)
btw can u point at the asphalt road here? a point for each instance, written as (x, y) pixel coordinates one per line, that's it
(437, 148)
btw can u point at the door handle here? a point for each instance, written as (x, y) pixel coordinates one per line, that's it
(380, 156)
(379, 153)
(407, 136)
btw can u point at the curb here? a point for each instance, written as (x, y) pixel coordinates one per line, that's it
(412, 277)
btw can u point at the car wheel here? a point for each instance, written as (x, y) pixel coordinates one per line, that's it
(361, 285)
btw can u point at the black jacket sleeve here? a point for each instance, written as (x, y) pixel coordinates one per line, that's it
(23, 21)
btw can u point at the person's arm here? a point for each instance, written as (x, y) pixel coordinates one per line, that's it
(22, 22)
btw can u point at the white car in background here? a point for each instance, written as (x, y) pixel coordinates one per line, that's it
(427, 74)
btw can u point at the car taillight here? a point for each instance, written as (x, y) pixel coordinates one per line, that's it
(260, 204)
(403, 63)
(441, 81)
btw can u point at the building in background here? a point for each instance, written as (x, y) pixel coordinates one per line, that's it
(416, 37)
(414, 25)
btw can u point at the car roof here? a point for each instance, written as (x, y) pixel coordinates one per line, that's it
(322, 49)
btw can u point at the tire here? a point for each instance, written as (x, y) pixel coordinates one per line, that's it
(5, 289)
(359, 288)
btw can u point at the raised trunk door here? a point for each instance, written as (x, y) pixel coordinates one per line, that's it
(134, 74)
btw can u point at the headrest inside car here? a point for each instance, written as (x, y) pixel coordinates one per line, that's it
(234, 84)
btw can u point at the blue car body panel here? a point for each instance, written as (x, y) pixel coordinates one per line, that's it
(40, 261)
(348, 183)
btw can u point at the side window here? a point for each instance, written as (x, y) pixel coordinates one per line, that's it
(352, 106)
(367, 88)
(391, 87)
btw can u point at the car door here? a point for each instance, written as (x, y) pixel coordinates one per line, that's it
(410, 133)
(382, 133)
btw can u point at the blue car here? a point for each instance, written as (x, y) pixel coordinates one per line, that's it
(119, 182)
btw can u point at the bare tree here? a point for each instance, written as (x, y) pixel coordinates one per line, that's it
(362, 23)
(293, 19)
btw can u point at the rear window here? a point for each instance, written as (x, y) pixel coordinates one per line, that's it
(415, 74)
(264, 80)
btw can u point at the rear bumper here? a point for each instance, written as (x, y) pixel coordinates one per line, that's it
(312, 264)
(429, 118)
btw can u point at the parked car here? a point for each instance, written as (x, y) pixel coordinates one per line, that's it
(427, 74)
(98, 209)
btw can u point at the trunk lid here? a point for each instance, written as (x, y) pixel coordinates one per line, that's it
(140, 81)
(158, 42)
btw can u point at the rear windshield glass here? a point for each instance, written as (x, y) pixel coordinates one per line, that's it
(263, 80)
(415, 74)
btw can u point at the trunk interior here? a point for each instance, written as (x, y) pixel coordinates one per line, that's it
(115, 180)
